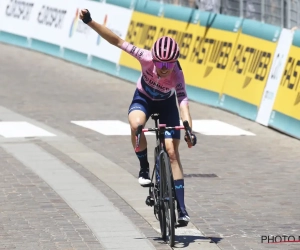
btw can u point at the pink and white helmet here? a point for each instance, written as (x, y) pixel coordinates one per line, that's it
(165, 49)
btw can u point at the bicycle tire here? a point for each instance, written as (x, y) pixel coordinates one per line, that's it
(168, 198)
(158, 200)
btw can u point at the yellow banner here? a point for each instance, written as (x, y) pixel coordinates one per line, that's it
(249, 69)
(208, 65)
(288, 96)
(145, 29)
(205, 60)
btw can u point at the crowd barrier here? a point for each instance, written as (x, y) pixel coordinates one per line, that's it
(239, 65)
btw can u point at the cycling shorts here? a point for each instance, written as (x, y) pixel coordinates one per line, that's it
(167, 109)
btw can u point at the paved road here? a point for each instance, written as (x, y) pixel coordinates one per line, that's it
(78, 189)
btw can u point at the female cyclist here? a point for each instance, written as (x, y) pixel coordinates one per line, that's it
(160, 79)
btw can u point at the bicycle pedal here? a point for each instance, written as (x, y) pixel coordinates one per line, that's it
(181, 224)
(149, 201)
(147, 185)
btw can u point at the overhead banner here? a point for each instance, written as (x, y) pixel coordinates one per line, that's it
(270, 91)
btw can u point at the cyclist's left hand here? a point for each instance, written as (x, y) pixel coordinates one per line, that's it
(194, 140)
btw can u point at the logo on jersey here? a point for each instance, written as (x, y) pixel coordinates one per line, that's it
(140, 54)
(153, 91)
(136, 51)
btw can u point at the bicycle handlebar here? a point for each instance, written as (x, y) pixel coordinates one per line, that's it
(140, 129)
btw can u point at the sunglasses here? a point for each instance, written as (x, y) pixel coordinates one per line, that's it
(167, 65)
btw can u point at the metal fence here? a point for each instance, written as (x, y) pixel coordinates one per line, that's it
(283, 13)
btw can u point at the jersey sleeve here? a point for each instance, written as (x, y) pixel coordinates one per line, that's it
(180, 88)
(141, 55)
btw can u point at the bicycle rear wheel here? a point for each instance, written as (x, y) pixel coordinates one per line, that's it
(167, 195)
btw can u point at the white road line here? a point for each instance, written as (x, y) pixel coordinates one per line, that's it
(218, 128)
(21, 129)
(106, 127)
(6, 115)
(104, 219)
(206, 127)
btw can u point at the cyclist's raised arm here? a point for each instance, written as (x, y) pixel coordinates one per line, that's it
(141, 54)
(113, 39)
(103, 31)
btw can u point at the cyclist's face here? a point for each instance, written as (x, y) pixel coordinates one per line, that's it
(163, 72)
(164, 69)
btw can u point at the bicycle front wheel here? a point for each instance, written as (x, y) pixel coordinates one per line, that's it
(167, 193)
(158, 200)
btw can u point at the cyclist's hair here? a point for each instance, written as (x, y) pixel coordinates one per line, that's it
(165, 49)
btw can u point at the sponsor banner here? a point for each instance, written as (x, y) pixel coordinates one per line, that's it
(212, 52)
(83, 39)
(117, 19)
(51, 22)
(270, 91)
(145, 29)
(248, 71)
(287, 100)
(206, 48)
(17, 16)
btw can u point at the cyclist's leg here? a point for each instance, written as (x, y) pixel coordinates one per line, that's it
(172, 146)
(170, 116)
(138, 114)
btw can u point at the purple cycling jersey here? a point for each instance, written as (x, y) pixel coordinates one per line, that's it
(150, 84)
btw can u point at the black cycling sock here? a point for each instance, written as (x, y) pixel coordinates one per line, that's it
(143, 157)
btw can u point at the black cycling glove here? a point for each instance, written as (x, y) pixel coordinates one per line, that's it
(87, 17)
(193, 137)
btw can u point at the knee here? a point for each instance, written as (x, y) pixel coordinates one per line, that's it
(134, 126)
(172, 154)
(135, 119)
